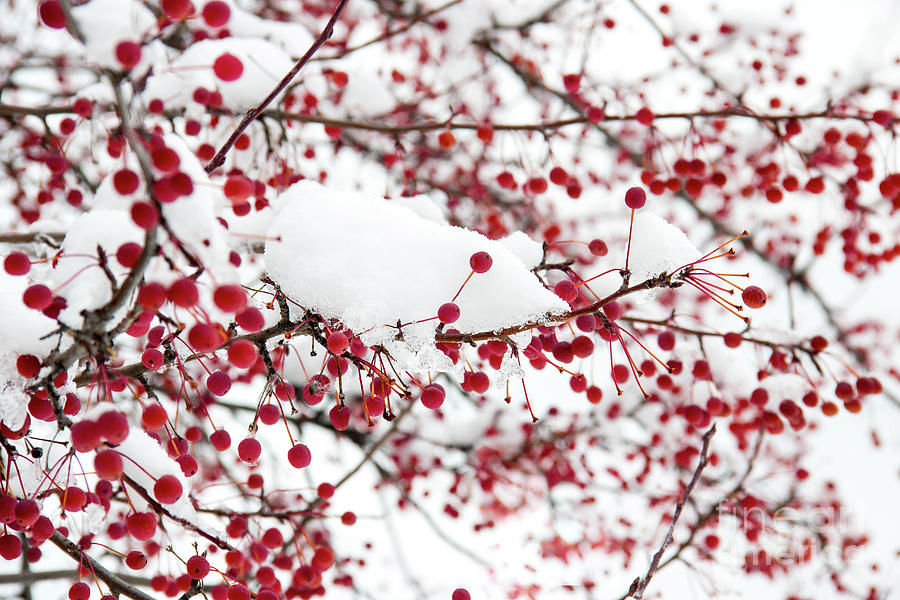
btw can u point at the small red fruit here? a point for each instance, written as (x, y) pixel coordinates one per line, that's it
(228, 67)
(37, 297)
(481, 262)
(249, 450)
(52, 15)
(299, 456)
(448, 313)
(433, 396)
(754, 297)
(216, 13)
(446, 140)
(218, 383)
(242, 354)
(17, 263)
(167, 489)
(337, 343)
(128, 54)
(197, 567)
(635, 198)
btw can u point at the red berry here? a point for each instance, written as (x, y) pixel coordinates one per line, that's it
(237, 188)
(153, 417)
(481, 262)
(17, 263)
(28, 365)
(128, 54)
(816, 185)
(152, 359)
(644, 116)
(128, 253)
(433, 396)
(197, 567)
(448, 313)
(598, 247)
(152, 296)
(506, 180)
(666, 340)
(113, 426)
(559, 176)
(337, 343)
(230, 298)
(818, 343)
(250, 319)
(759, 397)
(37, 297)
(249, 450)
(10, 546)
(144, 215)
(883, 117)
(166, 160)
(216, 13)
(374, 405)
(183, 292)
(108, 465)
(52, 15)
(269, 414)
(204, 338)
(732, 339)
(141, 526)
(228, 67)
(85, 435)
(446, 140)
(322, 559)
(126, 181)
(218, 383)
(339, 417)
(242, 354)
(176, 9)
(582, 346)
(566, 290)
(572, 82)
(754, 297)
(635, 198)
(136, 560)
(220, 440)
(485, 133)
(299, 456)
(79, 591)
(83, 107)
(460, 594)
(26, 512)
(167, 489)
(315, 389)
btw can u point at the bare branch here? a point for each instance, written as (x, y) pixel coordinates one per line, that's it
(640, 586)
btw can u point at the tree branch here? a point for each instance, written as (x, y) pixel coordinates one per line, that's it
(115, 583)
(254, 113)
(640, 585)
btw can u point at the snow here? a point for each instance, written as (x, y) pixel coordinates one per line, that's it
(78, 276)
(526, 249)
(265, 63)
(370, 263)
(105, 23)
(366, 95)
(657, 246)
(152, 463)
(22, 328)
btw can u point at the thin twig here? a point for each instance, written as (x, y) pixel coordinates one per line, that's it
(115, 583)
(640, 585)
(254, 113)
